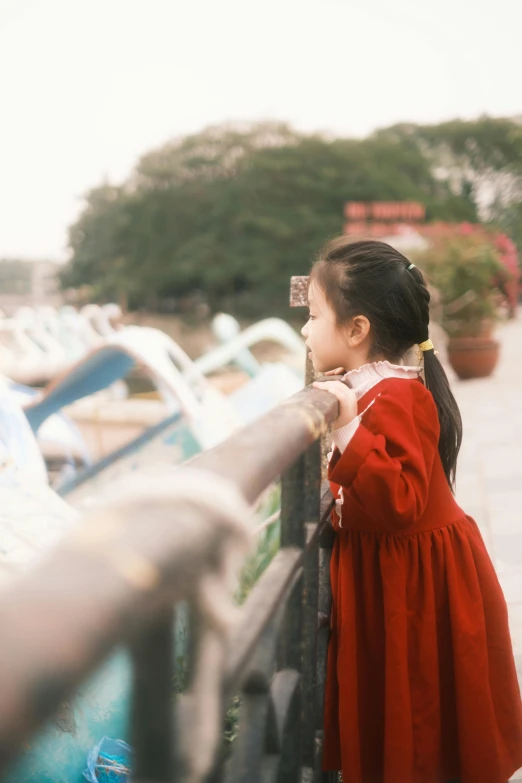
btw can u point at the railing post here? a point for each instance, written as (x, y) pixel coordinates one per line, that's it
(114, 578)
(290, 656)
(293, 534)
(326, 540)
(152, 704)
(311, 489)
(253, 741)
(317, 589)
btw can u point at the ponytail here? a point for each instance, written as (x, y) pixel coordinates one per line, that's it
(449, 415)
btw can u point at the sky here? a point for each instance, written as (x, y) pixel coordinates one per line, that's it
(88, 86)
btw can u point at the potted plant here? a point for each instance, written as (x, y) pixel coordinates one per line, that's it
(468, 273)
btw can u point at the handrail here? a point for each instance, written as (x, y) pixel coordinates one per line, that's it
(258, 454)
(115, 580)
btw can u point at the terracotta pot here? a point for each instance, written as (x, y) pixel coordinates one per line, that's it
(473, 357)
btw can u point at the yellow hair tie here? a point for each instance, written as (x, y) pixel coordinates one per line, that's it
(427, 346)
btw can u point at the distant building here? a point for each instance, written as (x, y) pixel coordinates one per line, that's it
(32, 283)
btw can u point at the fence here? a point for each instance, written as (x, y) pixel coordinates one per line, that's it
(117, 580)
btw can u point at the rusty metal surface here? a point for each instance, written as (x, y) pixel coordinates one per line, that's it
(271, 589)
(327, 502)
(299, 291)
(153, 739)
(99, 589)
(258, 454)
(124, 570)
(312, 499)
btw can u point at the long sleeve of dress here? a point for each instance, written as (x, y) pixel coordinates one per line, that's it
(385, 469)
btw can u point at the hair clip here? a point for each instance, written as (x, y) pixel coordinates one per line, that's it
(411, 266)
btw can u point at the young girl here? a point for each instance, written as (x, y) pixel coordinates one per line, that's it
(421, 682)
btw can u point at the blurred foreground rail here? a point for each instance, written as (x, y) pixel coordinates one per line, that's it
(117, 580)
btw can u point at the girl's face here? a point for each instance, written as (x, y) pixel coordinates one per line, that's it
(332, 346)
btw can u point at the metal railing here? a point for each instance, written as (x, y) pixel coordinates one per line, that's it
(117, 579)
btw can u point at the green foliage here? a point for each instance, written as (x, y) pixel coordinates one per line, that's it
(267, 546)
(471, 157)
(98, 241)
(231, 723)
(486, 144)
(465, 270)
(232, 213)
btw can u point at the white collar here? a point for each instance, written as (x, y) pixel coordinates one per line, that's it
(369, 375)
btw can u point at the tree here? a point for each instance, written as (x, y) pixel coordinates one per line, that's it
(480, 158)
(234, 212)
(98, 242)
(215, 153)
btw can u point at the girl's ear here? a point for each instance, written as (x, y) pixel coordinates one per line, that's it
(358, 330)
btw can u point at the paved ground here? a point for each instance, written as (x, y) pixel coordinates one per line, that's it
(489, 476)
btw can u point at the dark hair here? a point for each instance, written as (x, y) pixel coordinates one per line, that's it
(373, 279)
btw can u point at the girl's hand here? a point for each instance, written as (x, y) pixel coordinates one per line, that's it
(347, 401)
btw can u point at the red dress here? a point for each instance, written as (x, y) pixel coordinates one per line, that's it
(421, 682)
